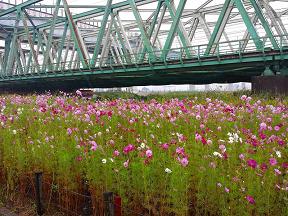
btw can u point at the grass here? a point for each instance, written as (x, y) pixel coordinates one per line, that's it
(169, 154)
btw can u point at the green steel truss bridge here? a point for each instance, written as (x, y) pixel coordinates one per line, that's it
(139, 42)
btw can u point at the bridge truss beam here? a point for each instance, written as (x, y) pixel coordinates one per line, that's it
(104, 37)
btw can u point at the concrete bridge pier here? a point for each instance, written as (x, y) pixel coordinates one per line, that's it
(284, 71)
(277, 84)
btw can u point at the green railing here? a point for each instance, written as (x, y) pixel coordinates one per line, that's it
(177, 55)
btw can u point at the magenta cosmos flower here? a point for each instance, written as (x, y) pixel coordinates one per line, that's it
(250, 199)
(264, 167)
(272, 161)
(128, 148)
(285, 165)
(252, 163)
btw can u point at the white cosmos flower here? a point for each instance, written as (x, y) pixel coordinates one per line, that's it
(278, 153)
(231, 140)
(234, 137)
(104, 161)
(14, 131)
(142, 145)
(217, 154)
(167, 170)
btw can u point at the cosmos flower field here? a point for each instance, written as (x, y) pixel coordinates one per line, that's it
(224, 155)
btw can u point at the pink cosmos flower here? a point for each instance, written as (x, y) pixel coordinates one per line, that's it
(149, 153)
(93, 148)
(227, 190)
(42, 109)
(241, 156)
(272, 161)
(116, 153)
(277, 172)
(235, 179)
(94, 145)
(79, 93)
(222, 148)
(184, 162)
(252, 163)
(180, 150)
(276, 128)
(243, 97)
(198, 137)
(69, 131)
(165, 146)
(250, 199)
(213, 165)
(126, 164)
(263, 126)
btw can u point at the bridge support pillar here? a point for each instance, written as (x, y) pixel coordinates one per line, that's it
(268, 72)
(284, 71)
(270, 84)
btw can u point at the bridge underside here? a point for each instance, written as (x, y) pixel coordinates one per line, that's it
(70, 83)
(224, 69)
